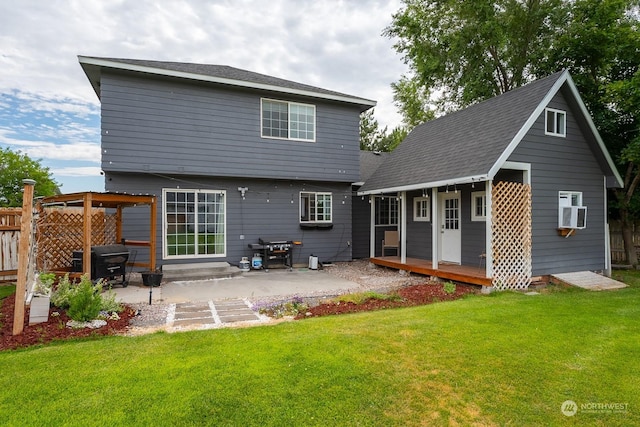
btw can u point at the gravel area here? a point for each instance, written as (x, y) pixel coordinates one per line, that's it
(369, 277)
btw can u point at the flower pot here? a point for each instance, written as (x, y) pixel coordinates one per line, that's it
(39, 309)
(151, 278)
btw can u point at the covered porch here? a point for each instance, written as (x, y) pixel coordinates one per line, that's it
(458, 273)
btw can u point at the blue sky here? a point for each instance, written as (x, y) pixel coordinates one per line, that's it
(49, 111)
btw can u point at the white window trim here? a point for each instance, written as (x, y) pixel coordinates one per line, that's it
(474, 196)
(416, 212)
(316, 193)
(315, 128)
(165, 255)
(556, 112)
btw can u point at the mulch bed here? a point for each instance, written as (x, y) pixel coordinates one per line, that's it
(411, 296)
(54, 329)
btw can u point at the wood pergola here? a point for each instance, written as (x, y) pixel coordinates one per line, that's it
(117, 201)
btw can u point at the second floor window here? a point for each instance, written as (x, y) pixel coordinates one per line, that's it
(288, 120)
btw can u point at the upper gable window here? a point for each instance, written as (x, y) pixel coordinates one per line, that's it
(288, 120)
(555, 122)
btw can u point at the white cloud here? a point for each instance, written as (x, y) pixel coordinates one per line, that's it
(76, 171)
(79, 151)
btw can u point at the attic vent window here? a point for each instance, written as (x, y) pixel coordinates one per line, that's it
(288, 120)
(555, 122)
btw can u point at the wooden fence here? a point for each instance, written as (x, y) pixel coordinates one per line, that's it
(9, 238)
(617, 245)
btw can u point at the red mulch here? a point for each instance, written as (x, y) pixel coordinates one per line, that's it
(411, 295)
(54, 329)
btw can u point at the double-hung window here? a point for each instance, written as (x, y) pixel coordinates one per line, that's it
(555, 122)
(386, 210)
(194, 223)
(288, 120)
(478, 206)
(421, 209)
(315, 208)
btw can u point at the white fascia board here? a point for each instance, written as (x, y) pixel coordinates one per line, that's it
(527, 125)
(426, 185)
(221, 80)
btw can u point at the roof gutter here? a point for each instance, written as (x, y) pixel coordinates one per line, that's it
(426, 185)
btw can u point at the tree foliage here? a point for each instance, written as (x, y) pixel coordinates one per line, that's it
(373, 138)
(461, 52)
(16, 166)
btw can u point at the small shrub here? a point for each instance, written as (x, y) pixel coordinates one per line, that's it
(449, 287)
(44, 283)
(62, 292)
(109, 302)
(85, 301)
(282, 309)
(362, 297)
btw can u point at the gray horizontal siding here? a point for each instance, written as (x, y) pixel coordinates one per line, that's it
(361, 227)
(163, 126)
(253, 217)
(563, 164)
(418, 232)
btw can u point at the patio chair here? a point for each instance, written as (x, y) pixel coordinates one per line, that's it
(391, 240)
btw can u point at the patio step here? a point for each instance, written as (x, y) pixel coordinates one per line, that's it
(199, 271)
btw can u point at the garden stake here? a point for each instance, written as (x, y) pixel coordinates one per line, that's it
(150, 292)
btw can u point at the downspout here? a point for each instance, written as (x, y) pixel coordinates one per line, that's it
(607, 235)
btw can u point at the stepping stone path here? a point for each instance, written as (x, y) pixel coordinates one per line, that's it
(211, 314)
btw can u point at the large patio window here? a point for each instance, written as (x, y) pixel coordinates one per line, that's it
(386, 210)
(194, 223)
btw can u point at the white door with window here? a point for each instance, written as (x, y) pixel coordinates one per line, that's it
(450, 234)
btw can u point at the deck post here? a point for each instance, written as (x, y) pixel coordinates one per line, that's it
(403, 227)
(435, 229)
(372, 227)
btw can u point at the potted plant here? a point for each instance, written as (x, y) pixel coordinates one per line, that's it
(152, 278)
(41, 298)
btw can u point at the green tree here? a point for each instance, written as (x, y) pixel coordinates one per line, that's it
(462, 52)
(370, 132)
(600, 47)
(14, 167)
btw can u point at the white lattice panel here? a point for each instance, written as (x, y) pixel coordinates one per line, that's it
(511, 235)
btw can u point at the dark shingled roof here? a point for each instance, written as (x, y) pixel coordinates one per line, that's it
(370, 161)
(462, 144)
(218, 73)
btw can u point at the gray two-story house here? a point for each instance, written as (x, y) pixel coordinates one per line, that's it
(233, 156)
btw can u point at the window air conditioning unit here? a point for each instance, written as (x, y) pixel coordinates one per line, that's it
(573, 217)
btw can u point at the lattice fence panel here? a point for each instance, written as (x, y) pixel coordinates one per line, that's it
(511, 235)
(60, 232)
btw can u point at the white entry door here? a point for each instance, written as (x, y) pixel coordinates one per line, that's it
(450, 234)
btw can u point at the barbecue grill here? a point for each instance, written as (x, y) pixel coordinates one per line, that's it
(107, 262)
(278, 250)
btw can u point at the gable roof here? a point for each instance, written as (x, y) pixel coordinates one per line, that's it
(474, 143)
(220, 74)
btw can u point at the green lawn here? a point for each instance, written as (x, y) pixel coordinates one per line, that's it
(503, 359)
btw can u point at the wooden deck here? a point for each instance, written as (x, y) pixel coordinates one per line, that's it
(458, 273)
